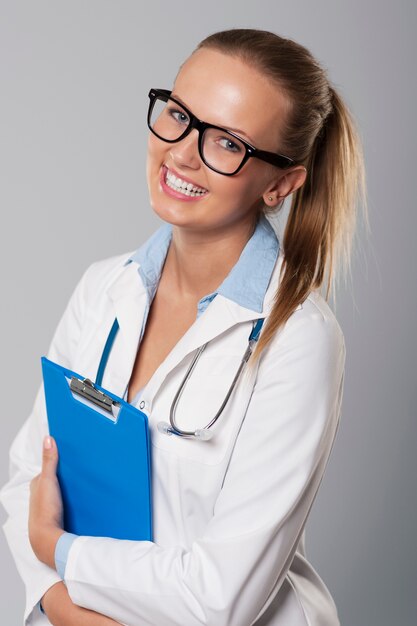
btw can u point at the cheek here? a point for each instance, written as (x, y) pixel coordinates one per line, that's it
(154, 157)
(156, 151)
(243, 189)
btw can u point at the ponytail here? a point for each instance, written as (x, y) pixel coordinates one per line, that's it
(321, 223)
(320, 134)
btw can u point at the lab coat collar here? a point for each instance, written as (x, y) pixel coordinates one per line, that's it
(248, 280)
(129, 297)
(129, 300)
(245, 284)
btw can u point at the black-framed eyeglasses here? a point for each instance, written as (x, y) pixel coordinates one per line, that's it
(220, 149)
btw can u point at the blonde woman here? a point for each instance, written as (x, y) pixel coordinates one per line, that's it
(251, 119)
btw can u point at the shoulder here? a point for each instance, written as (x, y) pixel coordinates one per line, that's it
(311, 338)
(316, 316)
(106, 270)
(302, 368)
(100, 275)
(313, 322)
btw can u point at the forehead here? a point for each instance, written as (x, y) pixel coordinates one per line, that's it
(224, 90)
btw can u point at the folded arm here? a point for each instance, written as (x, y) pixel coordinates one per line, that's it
(26, 463)
(228, 576)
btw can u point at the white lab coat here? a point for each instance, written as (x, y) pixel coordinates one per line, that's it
(228, 514)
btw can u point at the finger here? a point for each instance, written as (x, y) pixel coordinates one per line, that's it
(50, 456)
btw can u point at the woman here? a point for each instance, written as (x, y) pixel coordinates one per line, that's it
(229, 513)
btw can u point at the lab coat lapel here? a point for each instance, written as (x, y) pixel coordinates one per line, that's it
(129, 302)
(219, 316)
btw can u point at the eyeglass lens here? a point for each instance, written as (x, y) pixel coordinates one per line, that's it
(220, 150)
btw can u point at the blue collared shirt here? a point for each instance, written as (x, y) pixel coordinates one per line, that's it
(246, 284)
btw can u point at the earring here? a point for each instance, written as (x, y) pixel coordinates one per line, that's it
(270, 198)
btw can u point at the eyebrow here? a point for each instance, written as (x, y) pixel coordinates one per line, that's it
(234, 130)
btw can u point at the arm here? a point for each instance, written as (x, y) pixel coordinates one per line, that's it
(25, 460)
(230, 574)
(45, 528)
(61, 611)
(25, 463)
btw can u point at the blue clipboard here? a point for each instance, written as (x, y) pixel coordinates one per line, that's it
(104, 467)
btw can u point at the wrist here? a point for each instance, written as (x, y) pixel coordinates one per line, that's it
(58, 606)
(51, 596)
(44, 544)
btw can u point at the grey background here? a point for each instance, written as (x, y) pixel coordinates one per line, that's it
(74, 81)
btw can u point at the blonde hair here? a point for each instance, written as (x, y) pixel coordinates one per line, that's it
(321, 135)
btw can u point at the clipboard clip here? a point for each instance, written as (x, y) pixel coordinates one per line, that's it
(86, 389)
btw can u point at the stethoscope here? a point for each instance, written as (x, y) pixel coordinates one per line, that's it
(203, 434)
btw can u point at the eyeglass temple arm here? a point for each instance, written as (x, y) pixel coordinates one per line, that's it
(275, 159)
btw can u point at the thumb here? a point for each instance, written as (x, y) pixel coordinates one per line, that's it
(49, 456)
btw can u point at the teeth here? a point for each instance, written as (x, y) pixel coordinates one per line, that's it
(188, 189)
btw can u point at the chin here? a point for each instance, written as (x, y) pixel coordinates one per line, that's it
(171, 214)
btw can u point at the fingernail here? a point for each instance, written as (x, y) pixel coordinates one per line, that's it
(47, 443)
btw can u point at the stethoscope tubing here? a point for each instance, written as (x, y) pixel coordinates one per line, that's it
(172, 428)
(187, 433)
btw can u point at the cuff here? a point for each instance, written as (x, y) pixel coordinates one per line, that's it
(62, 549)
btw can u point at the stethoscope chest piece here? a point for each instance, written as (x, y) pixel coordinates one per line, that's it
(204, 434)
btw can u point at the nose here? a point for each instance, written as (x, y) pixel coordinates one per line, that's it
(185, 152)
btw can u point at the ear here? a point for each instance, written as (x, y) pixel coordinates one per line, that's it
(285, 184)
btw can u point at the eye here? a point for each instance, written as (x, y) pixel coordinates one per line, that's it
(229, 145)
(178, 115)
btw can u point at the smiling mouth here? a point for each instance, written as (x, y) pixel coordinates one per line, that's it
(183, 186)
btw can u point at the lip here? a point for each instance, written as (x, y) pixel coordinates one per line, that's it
(177, 194)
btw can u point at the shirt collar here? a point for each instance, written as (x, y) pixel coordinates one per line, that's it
(247, 281)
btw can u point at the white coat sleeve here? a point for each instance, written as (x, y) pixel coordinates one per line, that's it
(230, 573)
(26, 461)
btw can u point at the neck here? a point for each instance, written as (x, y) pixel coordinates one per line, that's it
(198, 262)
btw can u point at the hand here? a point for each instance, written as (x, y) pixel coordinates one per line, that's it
(45, 508)
(61, 611)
